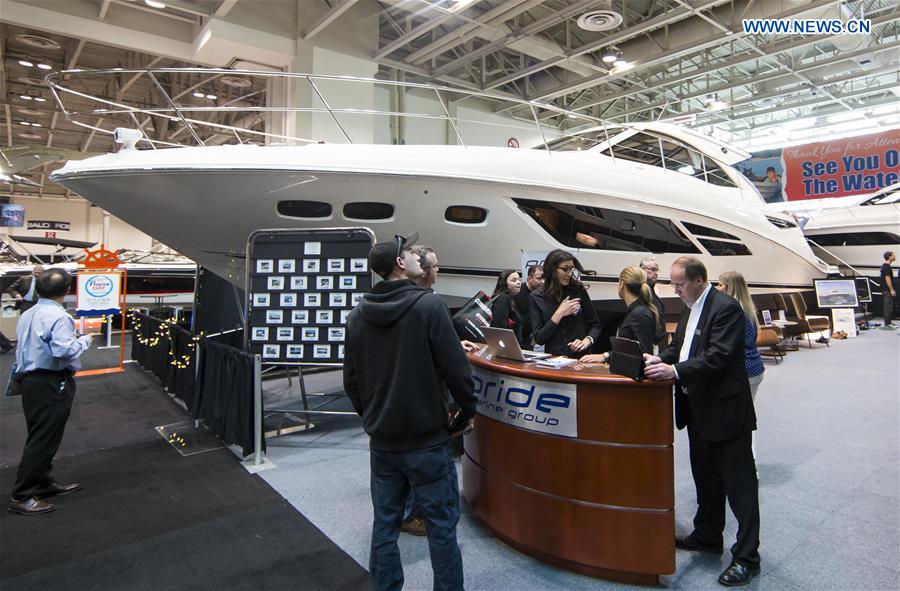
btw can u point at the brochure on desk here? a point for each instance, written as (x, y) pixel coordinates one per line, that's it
(548, 407)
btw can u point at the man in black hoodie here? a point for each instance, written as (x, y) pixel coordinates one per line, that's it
(401, 358)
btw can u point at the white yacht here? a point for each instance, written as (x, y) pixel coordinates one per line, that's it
(857, 235)
(609, 196)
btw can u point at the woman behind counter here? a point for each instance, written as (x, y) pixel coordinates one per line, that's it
(641, 315)
(562, 315)
(506, 313)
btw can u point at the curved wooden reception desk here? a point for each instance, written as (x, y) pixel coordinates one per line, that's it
(574, 466)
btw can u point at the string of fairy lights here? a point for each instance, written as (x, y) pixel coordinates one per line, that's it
(164, 330)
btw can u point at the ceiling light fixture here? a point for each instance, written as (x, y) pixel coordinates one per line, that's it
(25, 97)
(26, 63)
(198, 94)
(609, 55)
(621, 64)
(155, 4)
(39, 99)
(211, 97)
(45, 66)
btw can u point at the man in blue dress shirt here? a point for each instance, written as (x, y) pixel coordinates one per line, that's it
(46, 361)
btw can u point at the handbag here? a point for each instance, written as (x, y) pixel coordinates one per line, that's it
(474, 315)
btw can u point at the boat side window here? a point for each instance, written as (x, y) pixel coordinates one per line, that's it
(582, 226)
(682, 159)
(716, 175)
(465, 214)
(704, 231)
(368, 210)
(304, 209)
(720, 248)
(641, 148)
(856, 239)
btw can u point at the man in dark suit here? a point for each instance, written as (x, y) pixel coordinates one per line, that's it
(533, 282)
(23, 289)
(712, 398)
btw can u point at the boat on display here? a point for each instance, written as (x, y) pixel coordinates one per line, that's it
(857, 235)
(154, 278)
(609, 195)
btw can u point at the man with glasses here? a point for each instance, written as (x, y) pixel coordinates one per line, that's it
(402, 357)
(650, 266)
(712, 398)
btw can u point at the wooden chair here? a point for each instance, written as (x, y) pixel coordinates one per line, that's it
(770, 337)
(808, 324)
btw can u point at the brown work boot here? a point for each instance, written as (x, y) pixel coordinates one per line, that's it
(414, 526)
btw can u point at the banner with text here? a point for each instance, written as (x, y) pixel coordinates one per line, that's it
(97, 294)
(548, 407)
(840, 168)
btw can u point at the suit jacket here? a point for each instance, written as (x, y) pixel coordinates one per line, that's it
(639, 325)
(20, 287)
(712, 393)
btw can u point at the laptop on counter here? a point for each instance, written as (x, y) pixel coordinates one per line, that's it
(502, 342)
(626, 358)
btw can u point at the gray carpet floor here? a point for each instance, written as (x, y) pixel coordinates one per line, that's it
(829, 465)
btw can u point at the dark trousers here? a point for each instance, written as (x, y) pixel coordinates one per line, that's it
(47, 400)
(431, 474)
(725, 470)
(5, 344)
(888, 309)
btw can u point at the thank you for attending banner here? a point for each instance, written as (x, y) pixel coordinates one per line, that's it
(98, 293)
(548, 407)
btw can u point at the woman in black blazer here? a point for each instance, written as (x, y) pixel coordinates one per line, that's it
(506, 313)
(641, 315)
(562, 315)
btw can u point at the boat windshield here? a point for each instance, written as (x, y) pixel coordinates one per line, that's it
(890, 196)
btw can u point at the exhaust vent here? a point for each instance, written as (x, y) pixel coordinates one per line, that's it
(603, 19)
(37, 41)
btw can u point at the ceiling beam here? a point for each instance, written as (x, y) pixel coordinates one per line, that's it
(328, 18)
(418, 31)
(224, 8)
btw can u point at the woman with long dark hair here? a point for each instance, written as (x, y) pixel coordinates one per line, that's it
(506, 313)
(641, 315)
(563, 318)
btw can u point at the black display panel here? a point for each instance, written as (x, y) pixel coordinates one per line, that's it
(301, 286)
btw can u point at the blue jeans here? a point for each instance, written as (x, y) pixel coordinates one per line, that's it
(431, 474)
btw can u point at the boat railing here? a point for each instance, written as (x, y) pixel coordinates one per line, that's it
(91, 111)
(842, 264)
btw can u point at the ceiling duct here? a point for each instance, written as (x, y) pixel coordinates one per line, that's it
(604, 18)
(37, 41)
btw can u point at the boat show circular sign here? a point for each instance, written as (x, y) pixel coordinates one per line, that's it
(98, 286)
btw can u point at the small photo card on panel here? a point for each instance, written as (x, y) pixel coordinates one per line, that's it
(312, 300)
(294, 352)
(310, 265)
(274, 316)
(286, 265)
(310, 334)
(359, 265)
(271, 351)
(337, 300)
(288, 300)
(284, 333)
(348, 282)
(260, 333)
(325, 282)
(276, 282)
(344, 315)
(324, 317)
(265, 266)
(321, 351)
(298, 282)
(299, 316)
(335, 265)
(335, 334)
(312, 248)
(356, 299)
(340, 351)
(260, 300)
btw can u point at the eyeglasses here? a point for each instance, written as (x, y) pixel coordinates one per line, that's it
(567, 269)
